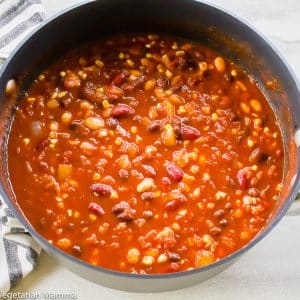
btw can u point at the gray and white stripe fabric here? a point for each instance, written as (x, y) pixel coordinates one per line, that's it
(17, 19)
(18, 251)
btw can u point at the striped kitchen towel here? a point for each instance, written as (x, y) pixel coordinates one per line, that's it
(18, 251)
(17, 19)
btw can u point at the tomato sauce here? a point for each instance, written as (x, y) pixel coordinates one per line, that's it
(145, 154)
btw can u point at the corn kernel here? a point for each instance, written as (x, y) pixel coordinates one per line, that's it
(51, 104)
(233, 73)
(180, 53)
(99, 63)
(118, 141)
(76, 214)
(133, 129)
(220, 195)
(53, 126)
(31, 99)
(82, 75)
(114, 195)
(203, 66)
(250, 142)
(26, 141)
(220, 64)
(214, 117)
(92, 217)
(66, 117)
(60, 205)
(244, 235)
(149, 84)
(64, 243)
(62, 94)
(130, 63)
(41, 77)
(168, 74)
(96, 176)
(121, 55)
(256, 105)
(245, 107)
(210, 205)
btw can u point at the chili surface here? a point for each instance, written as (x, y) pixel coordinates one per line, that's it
(145, 154)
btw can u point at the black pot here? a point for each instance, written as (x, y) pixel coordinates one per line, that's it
(199, 22)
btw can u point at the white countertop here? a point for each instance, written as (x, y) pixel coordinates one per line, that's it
(271, 270)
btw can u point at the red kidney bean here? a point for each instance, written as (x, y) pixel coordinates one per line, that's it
(96, 209)
(121, 110)
(173, 204)
(242, 179)
(166, 184)
(149, 170)
(174, 171)
(190, 133)
(118, 78)
(101, 189)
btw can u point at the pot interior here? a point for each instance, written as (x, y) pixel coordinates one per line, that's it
(191, 20)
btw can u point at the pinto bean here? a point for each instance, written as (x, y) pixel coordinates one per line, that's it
(123, 211)
(256, 155)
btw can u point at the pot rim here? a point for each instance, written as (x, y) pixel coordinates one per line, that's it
(230, 258)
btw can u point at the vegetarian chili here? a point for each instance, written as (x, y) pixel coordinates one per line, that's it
(145, 154)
